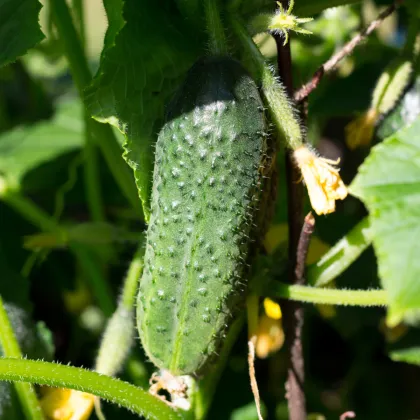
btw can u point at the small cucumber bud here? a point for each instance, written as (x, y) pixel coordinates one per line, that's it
(388, 90)
(116, 342)
(283, 22)
(119, 332)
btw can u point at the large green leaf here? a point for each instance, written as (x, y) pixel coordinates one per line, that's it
(137, 75)
(388, 183)
(114, 13)
(19, 28)
(27, 147)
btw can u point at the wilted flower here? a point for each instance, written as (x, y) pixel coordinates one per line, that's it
(67, 404)
(322, 180)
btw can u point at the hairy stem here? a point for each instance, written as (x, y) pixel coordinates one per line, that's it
(280, 106)
(10, 347)
(217, 37)
(110, 389)
(327, 296)
(340, 256)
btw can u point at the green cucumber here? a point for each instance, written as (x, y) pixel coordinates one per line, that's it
(207, 186)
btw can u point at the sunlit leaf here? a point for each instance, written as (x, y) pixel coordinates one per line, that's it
(388, 183)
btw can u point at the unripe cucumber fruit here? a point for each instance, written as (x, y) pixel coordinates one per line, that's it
(207, 186)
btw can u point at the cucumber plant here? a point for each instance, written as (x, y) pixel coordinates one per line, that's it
(174, 151)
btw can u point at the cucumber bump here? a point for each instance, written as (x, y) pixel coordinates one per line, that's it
(206, 191)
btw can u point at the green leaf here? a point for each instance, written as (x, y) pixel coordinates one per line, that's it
(247, 412)
(26, 148)
(409, 355)
(388, 183)
(19, 28)
(114, 12)
(137, 76)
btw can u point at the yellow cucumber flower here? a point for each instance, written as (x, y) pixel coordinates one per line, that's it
(322, 180)
(67, 404)
(270, 335)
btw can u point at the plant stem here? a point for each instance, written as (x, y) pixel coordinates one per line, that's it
(94, 276)
(92, 178)
(102, 134)
(131, 282)
(106, 387)
(340, 256)
(346, 50)
(79, 11)
(10, 346)
(299, 234)
(30, 211)
(217, 38)
(280, 107)
(327, 296)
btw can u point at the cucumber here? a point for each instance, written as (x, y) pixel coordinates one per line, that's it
(207, 185)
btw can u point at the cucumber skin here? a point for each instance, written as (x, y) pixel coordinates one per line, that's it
(207, 186)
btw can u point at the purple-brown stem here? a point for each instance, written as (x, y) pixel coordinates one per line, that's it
(347, 49)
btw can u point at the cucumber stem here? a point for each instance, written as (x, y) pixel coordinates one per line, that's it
(279, 104)
(217, 37)
(326, 296)
(114, 390)
(10, 347)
